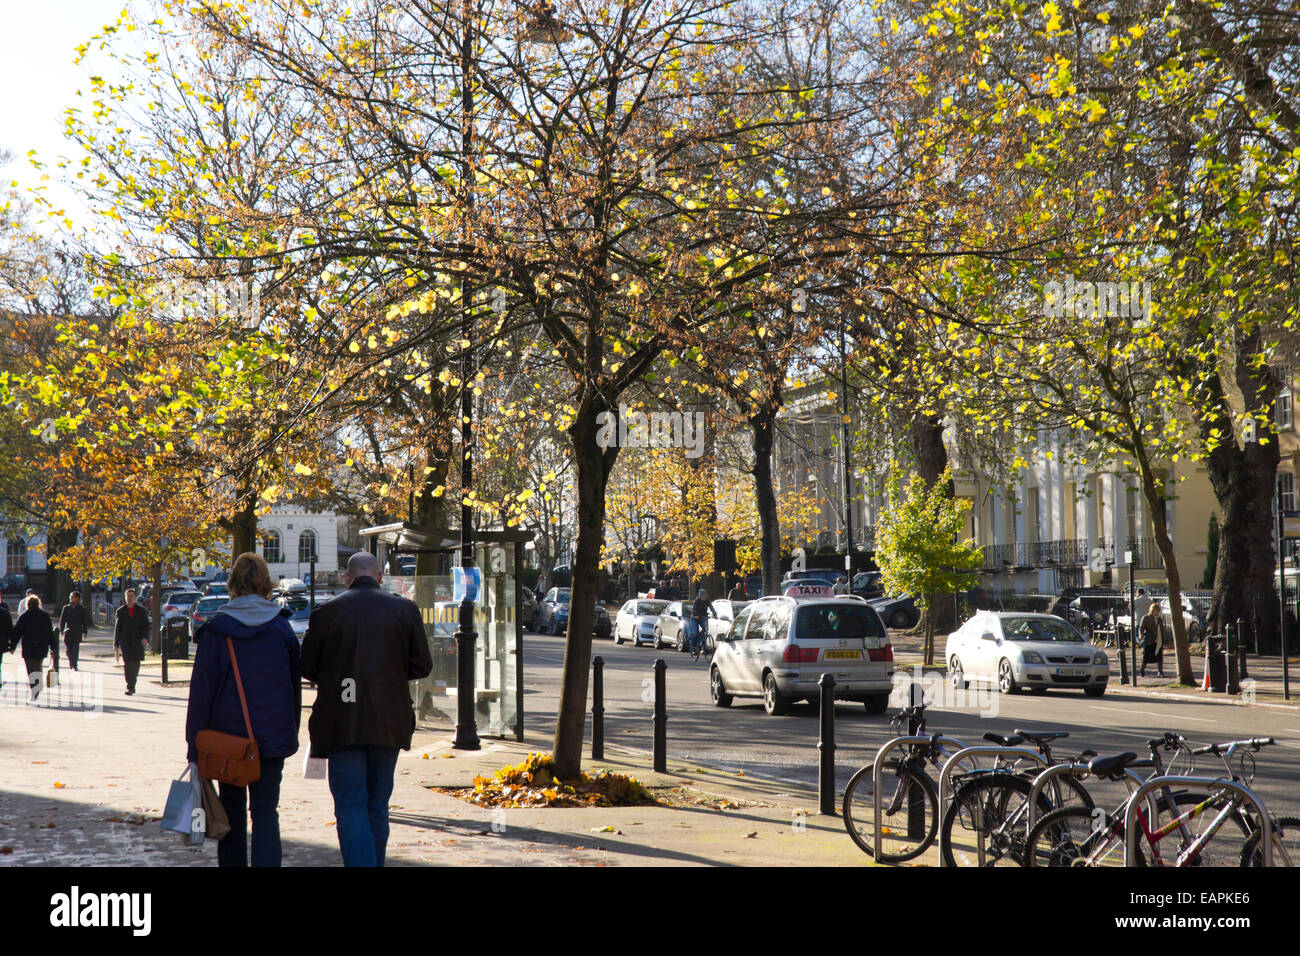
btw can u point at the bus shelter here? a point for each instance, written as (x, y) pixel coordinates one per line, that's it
(418, 562)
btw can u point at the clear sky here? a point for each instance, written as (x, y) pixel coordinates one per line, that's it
(37, 46)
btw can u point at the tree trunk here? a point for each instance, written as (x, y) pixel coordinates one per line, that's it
(762, 424)
(593, 467)
(243, 525)
(931, 462)
(1245, 482)
(58, 580)
(1153, 492)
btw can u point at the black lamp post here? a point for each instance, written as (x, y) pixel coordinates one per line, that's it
(466, 640)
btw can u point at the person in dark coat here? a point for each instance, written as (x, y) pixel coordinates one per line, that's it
(737, 592)
(1153, 640)
(7, 643)
(74, 625)
(361, 650)
(267, 652)
(35, 632)
(131, 637)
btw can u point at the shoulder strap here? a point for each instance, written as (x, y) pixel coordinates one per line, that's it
(239, 685)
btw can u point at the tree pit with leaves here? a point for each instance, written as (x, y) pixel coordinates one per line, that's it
(532, 783)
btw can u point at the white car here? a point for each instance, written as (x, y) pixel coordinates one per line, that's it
(1037, 651)
(778, 648)
(636, 621)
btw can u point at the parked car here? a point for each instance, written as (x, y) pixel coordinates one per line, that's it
(1012, 651)
(669, 625)
(178, 602)
(553, 615)
(203, 609)
(528, 608)
(636, 621)
(553, 611)
(217, 589)
(897, 612)
(778, 648)
(866, 584)
(722, 615)
(300, 608)
(826, 576)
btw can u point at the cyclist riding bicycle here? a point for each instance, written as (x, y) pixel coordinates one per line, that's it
(699, 620)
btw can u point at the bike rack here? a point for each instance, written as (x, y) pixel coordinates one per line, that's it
(1079, 769)
(945, 778)
(1209, 785)
(879, 763)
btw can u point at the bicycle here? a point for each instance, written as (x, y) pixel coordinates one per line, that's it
(993, 804)
(697, 639)
(1064, 838)
(909, 814)
(909, 817)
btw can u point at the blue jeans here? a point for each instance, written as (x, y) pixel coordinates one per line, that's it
(232, 849)
(361, 780)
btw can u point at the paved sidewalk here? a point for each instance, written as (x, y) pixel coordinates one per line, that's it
(86, 786)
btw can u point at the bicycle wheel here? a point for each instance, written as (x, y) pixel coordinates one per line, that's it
(904, 833)
(1070, 835)
(1226, 848)
(985, 824)
(1286, 844)
(1073, 793)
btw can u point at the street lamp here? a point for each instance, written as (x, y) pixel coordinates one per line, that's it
(466, 640)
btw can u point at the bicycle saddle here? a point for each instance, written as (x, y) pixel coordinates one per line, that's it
(1041, 736)
(1013, 741)
(1111, 768)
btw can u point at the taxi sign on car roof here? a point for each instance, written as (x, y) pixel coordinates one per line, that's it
(803, 591)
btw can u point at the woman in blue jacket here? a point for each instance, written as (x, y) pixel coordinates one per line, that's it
(268, 655)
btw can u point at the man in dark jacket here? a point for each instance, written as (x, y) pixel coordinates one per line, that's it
(361, 650)
(131, 637)
(74, 625)
(6, 637)
(35, 632)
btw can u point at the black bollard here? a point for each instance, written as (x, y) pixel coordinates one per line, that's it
(826, 746)
(1241, 649)
(661, 718)
(1234, 639)
(598, 708)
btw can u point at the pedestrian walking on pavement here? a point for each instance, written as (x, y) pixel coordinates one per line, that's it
(1153, 640)
(35, 632)
(737, 592)
(131, 637)
(361, 650)
(256, 629)
(7, 642)
(74, 625)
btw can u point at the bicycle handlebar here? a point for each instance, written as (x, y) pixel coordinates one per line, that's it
(1254, 743)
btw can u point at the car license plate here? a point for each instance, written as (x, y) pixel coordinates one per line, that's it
(1070, 672)
(841, 655)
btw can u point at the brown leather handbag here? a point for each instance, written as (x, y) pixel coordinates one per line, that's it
(225, 757)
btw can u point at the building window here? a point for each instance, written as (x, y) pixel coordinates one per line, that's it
(271, 547)
(1283, 415)
(1286, 490)
(306, 546)
(16, 556)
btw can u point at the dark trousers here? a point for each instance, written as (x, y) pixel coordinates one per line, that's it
(261, 799)
(73, 645)
(132, 669)
(361, 780)
(34, 680)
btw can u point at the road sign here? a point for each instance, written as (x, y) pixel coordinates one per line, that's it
(466, 583)
(1291, 524)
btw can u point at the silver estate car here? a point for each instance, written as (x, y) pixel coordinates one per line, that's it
(778, 648)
